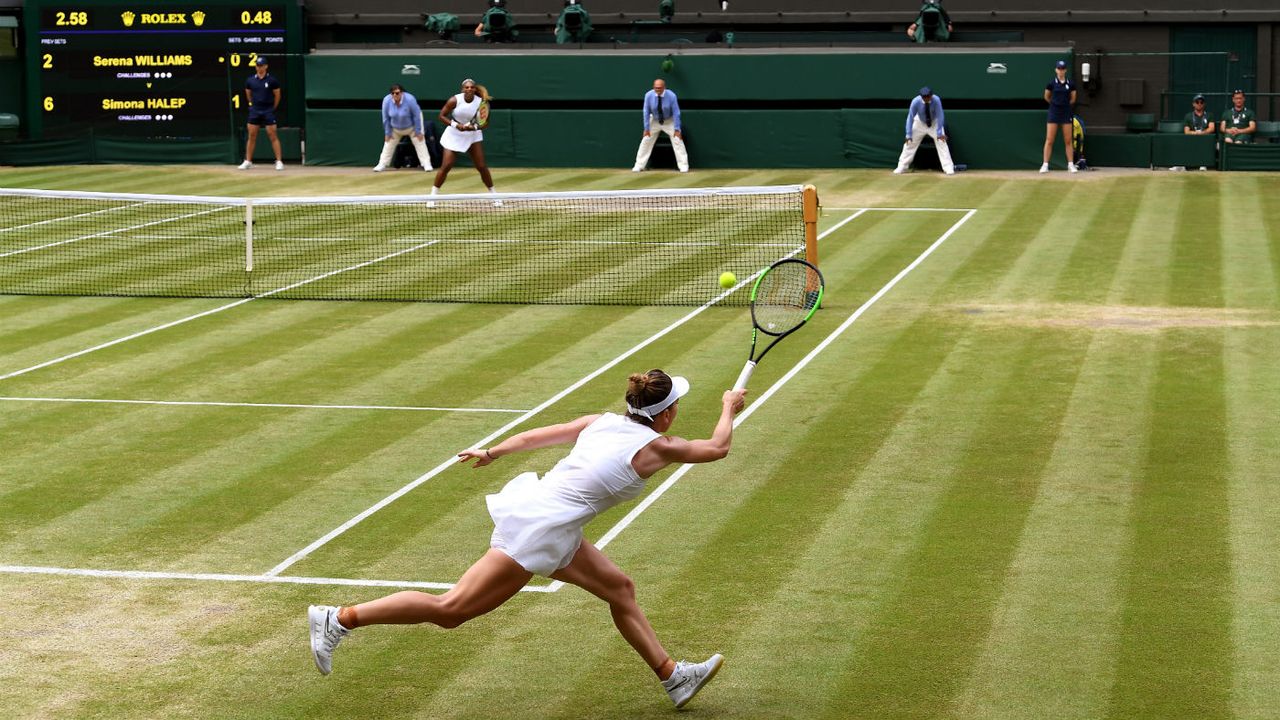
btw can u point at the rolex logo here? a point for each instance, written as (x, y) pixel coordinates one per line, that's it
(198, 18)
(127, 17)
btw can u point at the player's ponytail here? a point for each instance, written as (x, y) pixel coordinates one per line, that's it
(645, 389)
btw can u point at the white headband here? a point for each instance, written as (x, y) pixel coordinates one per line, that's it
(679, 386)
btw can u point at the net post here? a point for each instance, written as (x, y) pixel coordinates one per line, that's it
(248, 236)
(811, 230)
(811, 224)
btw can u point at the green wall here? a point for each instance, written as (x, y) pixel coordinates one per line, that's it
(741, 108)
(716, 138)
(733, 75)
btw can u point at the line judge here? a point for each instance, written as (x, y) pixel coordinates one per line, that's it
(661, 113)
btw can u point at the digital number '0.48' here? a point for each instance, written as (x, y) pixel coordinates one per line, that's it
(261, 17)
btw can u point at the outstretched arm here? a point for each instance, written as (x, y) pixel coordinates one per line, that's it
(529, 440)
(673, 449)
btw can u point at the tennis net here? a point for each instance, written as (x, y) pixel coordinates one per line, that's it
(650, 247)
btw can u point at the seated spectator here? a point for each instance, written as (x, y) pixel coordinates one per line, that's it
(1199, 121)
(932, 24)
(1238, 122)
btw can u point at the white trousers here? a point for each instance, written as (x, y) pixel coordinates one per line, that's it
(668, 126)
(389, 148)
(918, 131)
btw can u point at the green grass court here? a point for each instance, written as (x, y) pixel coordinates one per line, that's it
(1036, 478)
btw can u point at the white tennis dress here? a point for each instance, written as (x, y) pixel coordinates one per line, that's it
(539, 522)
(464, 113)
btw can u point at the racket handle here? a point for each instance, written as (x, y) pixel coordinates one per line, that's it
(745, 375)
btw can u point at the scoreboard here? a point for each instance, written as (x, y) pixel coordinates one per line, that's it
(155, 69)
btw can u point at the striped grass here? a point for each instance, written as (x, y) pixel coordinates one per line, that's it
(1037, 479)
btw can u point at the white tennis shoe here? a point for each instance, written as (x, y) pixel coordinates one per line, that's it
(245, 165)
(379, 167)
(1044, 167)
(279, 165)
(688, 678)
(326, 633)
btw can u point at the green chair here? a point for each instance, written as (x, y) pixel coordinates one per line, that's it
(1140, 122)
(1268, 131)
(1171, 127)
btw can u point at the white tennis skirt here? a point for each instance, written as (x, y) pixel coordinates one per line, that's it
(539, 530)
(460, 140)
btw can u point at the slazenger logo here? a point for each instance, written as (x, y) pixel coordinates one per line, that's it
(410, 70)
(997, 69)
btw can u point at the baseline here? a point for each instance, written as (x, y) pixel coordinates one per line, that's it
(228, 577)
(300, 406)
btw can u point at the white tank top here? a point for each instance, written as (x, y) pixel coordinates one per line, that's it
(598, 470)
(465, 112)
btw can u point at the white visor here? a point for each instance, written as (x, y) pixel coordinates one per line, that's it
(679, 386)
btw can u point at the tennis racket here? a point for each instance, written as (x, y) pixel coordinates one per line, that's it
(481, 120)
(783, 299)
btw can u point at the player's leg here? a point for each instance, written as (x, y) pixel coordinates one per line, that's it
(476, 151)
(944, 152)
(910, 146)
(677, 145)
(1050, 132)
(275, 142)
(250, 143)
(419, 146)
(388, 151)
(646, 147)
(491, 581)
(446, 164)
(592, 571)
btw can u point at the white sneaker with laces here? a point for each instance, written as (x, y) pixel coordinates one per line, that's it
(326, 633)
(1071, 167)
(688, 678)
(1044, 167)
(245, 165)
(379, 167)
(279, 165)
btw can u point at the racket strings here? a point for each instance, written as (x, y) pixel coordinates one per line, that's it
(785, 297)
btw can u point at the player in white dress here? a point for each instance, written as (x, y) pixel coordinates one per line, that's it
(538, 526)
(462, 134)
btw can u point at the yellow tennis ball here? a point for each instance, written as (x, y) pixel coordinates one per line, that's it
(728, 280)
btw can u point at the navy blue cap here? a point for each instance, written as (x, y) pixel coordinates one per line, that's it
(260, 61)
(1197, 97)
(1062, 64)
(925, 91)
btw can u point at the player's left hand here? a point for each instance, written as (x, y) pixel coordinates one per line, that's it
(480, 455)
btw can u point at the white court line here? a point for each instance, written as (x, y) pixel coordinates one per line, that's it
(111, 232)
(219, 309)
(226, 577)
(452, 460)
(70, 217)
(260, 405)
(630, 517)
(907, 209)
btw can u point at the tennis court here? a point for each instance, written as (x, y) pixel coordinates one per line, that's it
(1028, 415)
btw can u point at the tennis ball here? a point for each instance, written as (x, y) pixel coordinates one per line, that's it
(728, 280)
